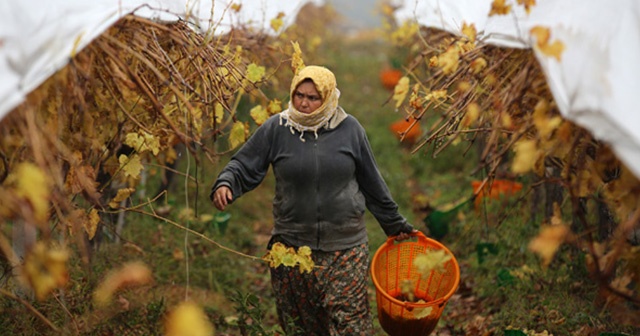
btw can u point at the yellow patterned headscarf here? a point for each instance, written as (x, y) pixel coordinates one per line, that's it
(329, 114)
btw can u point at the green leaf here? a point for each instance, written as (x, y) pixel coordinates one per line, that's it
(255, 73)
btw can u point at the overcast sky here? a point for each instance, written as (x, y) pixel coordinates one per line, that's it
(361, 13)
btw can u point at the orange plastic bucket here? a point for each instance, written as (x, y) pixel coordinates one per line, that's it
(392, 266)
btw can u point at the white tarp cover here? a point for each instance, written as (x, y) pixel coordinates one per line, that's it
(37, 37)
(597, 81)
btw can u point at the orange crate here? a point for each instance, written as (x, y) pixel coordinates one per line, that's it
(391, 265)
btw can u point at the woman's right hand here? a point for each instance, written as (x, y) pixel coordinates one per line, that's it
(221, 197)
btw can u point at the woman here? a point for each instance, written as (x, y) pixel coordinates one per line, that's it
(325, 176)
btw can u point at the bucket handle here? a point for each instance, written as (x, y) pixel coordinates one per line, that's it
(417, 234)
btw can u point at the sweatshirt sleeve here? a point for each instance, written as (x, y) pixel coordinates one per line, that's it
(377, 196)
(247, 167)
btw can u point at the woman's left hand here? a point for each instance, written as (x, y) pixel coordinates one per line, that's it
(404, 235)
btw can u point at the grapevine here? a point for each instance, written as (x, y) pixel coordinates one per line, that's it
(466, 93)
(82, 144)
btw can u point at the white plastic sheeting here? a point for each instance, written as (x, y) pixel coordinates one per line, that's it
(597, 82)
(37, 37)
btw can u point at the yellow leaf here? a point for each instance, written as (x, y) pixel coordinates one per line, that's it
(490, 79)
(151, 143)
(236, 136)
(133, 140)
(405, 33)
(303, 258)
(543, 37)
(35, 186)
(544, 124)
(237, 59)
(314, 43)
(142, 142)
(289, 258)
(400, 91)
(81, 178)
(279, 254)
(546, 244)
(416, 101)
(170, 155)
(554, 49)
(433, 62)
(499, 7)
(296, 58)
(130, 274)
(449, 60)
(542, 34)
(478, 65)
(432, 260)
(236, 7)
(505, 120)
(465, 46)
(304, 251)
(222, 71)
(131, 166)
(91, 223)
(122, 195)
(527, 154)
(259, 114)
(187, 214)
(219, 113)
(407, 287)
(255, 72)
(473, 112)
(469, 31)
(420, 313)
(464, 86)
(277, 23)
(586, 183)
(205, 218)
(45, 269)
(274, 106)
(274, 256)
(188, 319)
(527, 4)
(437, 94)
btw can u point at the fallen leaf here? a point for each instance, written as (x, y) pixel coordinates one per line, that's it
(124, 303)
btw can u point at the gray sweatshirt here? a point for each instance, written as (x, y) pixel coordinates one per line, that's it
(322, 185)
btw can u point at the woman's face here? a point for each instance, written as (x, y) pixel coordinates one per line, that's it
(306, 98)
